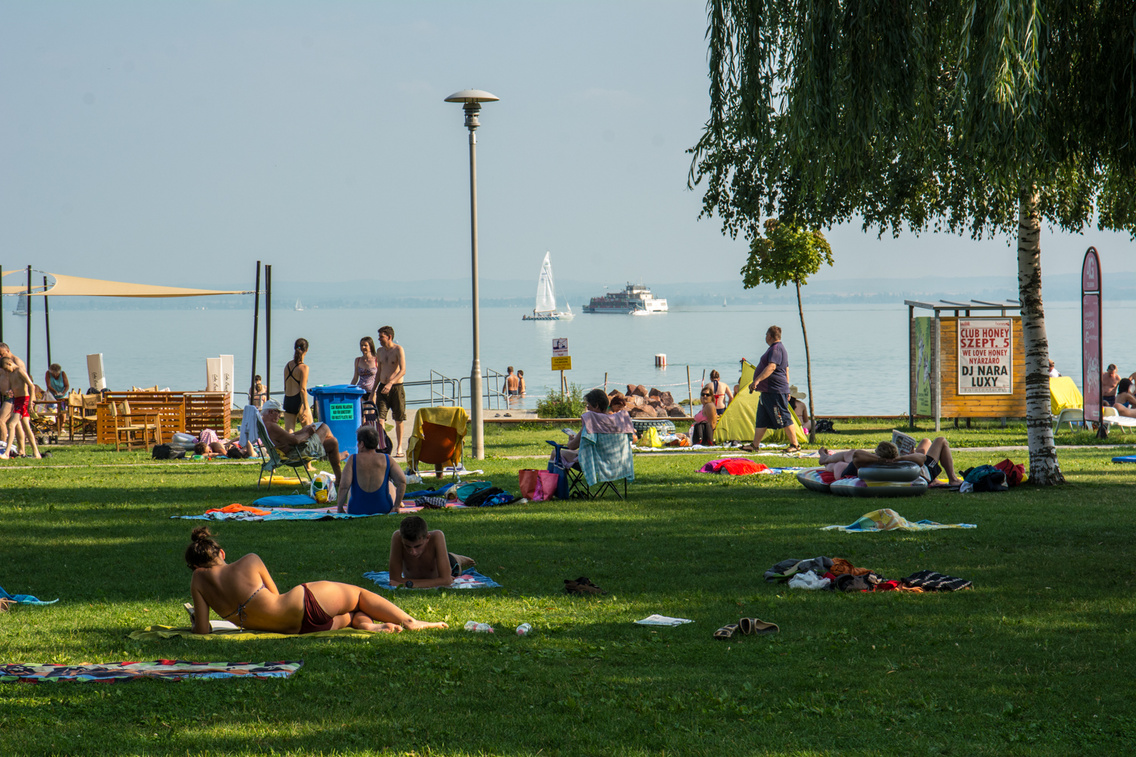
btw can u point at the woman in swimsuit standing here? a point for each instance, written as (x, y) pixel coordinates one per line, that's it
(246, 590)
(721, 393)
(366, 369)
(296, 389)
(365, 484)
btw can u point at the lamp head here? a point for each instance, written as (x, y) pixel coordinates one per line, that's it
(472, 99)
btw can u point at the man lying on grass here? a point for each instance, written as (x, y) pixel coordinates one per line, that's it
(418, 556)
(245, 593)
(933, 457)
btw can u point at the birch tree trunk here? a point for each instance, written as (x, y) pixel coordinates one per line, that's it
(808, 368)
(1043, 467)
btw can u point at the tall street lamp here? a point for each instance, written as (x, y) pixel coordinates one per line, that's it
(472, 99)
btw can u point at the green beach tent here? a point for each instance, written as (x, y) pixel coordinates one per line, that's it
(736, 424)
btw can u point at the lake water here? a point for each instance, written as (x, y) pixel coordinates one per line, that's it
(859, 352)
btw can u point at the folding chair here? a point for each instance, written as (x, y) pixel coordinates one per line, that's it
(438, 438)
(1069, 415)
(271, 459)
(604, 460)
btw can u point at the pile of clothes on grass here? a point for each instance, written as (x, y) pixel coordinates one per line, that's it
(837, 574)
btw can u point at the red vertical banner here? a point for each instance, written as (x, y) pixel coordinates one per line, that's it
(1091, 334)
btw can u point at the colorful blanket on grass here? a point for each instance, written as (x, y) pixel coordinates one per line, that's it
(24, 599)
(890, 520)
(170, 670)
(246, 513)
(469, 579)
(152, 633)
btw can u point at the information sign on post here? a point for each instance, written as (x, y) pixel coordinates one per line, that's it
(1091, 337)
(561, 360)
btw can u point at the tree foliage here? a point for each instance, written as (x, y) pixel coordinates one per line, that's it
(966, 116)
(922, 114)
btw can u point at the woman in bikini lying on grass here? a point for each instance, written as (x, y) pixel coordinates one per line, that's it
(244, 593)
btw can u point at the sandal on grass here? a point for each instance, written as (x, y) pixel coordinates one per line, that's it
(792, 450)
(725, 633)
(756, 627)
(747, 448)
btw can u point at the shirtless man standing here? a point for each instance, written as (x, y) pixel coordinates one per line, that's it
(512, 383)
(6, 399)
(418, 556)
(388, 389)
(23, 390)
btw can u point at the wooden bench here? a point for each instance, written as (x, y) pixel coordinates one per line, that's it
(191, 412)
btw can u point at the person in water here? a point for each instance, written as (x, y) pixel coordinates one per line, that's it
(244, 593)
(371, 483)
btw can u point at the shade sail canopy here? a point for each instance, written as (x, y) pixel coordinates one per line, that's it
(75, 286)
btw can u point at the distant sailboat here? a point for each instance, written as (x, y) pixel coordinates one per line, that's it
(299, 306)
(545, 309)
(21, 305)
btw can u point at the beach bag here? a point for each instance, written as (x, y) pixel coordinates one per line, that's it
(483, 497)
(161, 452)
(986, 478)
(1015, 473)
(323, 488)
(650, 438)
(537, 485)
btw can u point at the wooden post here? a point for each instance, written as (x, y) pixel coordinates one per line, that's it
(689, 393)
(605, 382)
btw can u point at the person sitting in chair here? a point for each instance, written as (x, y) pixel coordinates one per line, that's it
(312, 442)
(932, 457)
(596, 420)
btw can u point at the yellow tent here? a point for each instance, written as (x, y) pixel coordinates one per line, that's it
(736, 424)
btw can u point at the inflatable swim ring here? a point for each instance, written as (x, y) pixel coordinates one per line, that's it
(811, 479)
(856, 487)
(902, 472)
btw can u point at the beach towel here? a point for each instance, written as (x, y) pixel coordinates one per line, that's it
(170, 670)
(153, 633)
(244, 513)
(1125, 459)
(734, 466)
(662, 620)
(890, 520)
(24, 599)
(284, 500)
(469, 579)
(248, 433)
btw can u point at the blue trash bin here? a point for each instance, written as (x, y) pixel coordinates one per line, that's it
(341, 408)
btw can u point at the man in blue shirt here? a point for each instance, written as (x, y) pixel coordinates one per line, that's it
(771, 378)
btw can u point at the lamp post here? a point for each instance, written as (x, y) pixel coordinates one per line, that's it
(472, 99)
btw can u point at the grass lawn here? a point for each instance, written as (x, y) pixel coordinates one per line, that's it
(1034, 660)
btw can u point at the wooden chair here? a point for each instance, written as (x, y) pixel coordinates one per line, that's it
(136, 430)
(89, 414)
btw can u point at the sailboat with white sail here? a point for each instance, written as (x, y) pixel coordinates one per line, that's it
(21, 305)
(545, 309)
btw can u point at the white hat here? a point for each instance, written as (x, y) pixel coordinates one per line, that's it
(796, 393)
(271, 405)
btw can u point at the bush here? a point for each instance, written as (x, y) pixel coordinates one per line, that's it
(557, 405)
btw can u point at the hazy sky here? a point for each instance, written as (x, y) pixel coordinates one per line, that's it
(160, 142)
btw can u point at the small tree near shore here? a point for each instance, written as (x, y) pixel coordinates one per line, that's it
(788, 254)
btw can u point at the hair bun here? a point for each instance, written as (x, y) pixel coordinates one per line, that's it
(201, 533)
